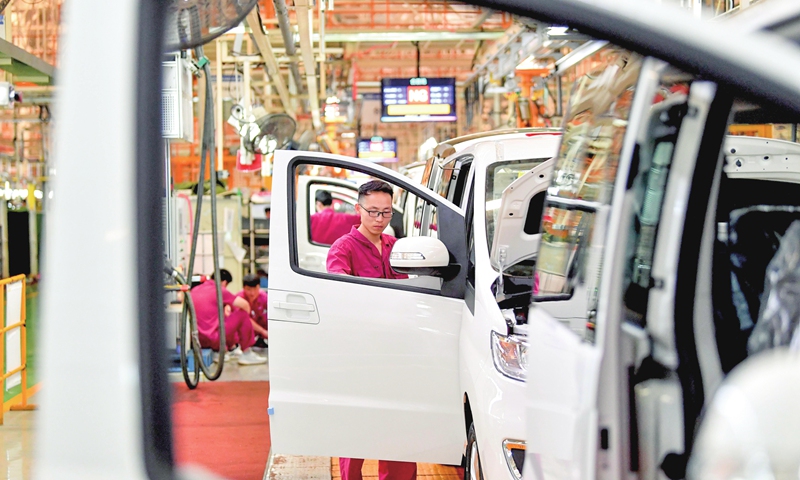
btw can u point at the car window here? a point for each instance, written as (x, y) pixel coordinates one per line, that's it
(648, 188)
(583, 179)
(428, 173)
(318, 228)
(453, 178)
(447, 175)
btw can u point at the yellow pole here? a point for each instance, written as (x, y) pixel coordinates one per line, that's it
(24, 353)
(3, 346)
(23, 347)
(21, 324)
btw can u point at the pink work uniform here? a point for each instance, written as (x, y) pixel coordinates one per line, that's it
(327, 225)
(258, 308)
(354, 254)
(238, 328)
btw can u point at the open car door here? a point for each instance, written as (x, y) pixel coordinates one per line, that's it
(565, 345)
(363, 367)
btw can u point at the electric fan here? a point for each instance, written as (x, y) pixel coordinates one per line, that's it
(275, 132)
(192, 23)
(263, 133)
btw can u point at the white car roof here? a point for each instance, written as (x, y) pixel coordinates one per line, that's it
(461, 143)
(514, 147)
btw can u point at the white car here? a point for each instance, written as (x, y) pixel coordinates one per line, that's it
(615, 379)
(433, 362)
(657, 233)
(111, 418)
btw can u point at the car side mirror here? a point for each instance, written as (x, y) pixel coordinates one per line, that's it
(422, 256)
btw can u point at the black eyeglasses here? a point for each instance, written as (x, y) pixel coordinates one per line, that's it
(376, 213)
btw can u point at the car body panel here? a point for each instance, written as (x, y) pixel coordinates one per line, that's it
(378, 379)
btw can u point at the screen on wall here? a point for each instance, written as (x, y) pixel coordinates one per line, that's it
(418, 100)
(378, 149)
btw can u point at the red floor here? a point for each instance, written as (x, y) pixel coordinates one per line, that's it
(222, 426)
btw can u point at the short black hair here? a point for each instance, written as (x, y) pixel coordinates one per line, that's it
(374, 186)
(225, 276)
(324, 197)
(251, 280)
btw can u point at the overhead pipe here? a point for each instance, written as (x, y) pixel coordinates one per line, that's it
(340, 36)
(323, 78)
(273, 71)
(304, 12)
(487, 12)
(282, 14)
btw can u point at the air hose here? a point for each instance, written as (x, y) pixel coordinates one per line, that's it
(194, 341)
(206, 151)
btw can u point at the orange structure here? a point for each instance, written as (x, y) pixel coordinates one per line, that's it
(23, 368)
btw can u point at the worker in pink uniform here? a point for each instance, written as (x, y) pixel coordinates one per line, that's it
(327, 225)
(238, 328)
(364, 252)
(257, 299)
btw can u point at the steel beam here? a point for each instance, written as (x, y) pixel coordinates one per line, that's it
(484, 16)
(304, 12)
(388, 37)
(282, 14)
(219, 117)
(24, 66)
(577, 55)
(264, 46)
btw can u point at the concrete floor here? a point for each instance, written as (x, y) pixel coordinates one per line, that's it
(17, 434)
(288, 467)
(16, 444)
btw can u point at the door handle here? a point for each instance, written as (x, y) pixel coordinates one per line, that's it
(303, 307)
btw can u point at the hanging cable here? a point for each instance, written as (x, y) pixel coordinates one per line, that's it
(416, 44)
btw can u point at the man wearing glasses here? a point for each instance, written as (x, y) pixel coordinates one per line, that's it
(364, 252)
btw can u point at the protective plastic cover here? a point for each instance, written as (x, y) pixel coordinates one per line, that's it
(779, 317)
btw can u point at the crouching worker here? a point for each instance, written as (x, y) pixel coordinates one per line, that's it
(238, 328)
(257, 299)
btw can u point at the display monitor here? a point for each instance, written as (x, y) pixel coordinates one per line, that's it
(418, 100)
(378, 149)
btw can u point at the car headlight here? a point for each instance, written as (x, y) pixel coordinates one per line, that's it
(510, 354)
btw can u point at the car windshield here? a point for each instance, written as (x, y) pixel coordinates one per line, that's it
(498, 177)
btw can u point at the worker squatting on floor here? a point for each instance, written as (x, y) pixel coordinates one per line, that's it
(238, 328)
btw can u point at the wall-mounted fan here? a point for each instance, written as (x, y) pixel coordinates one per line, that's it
(263, 133)
(275, 132)
(191, 23)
